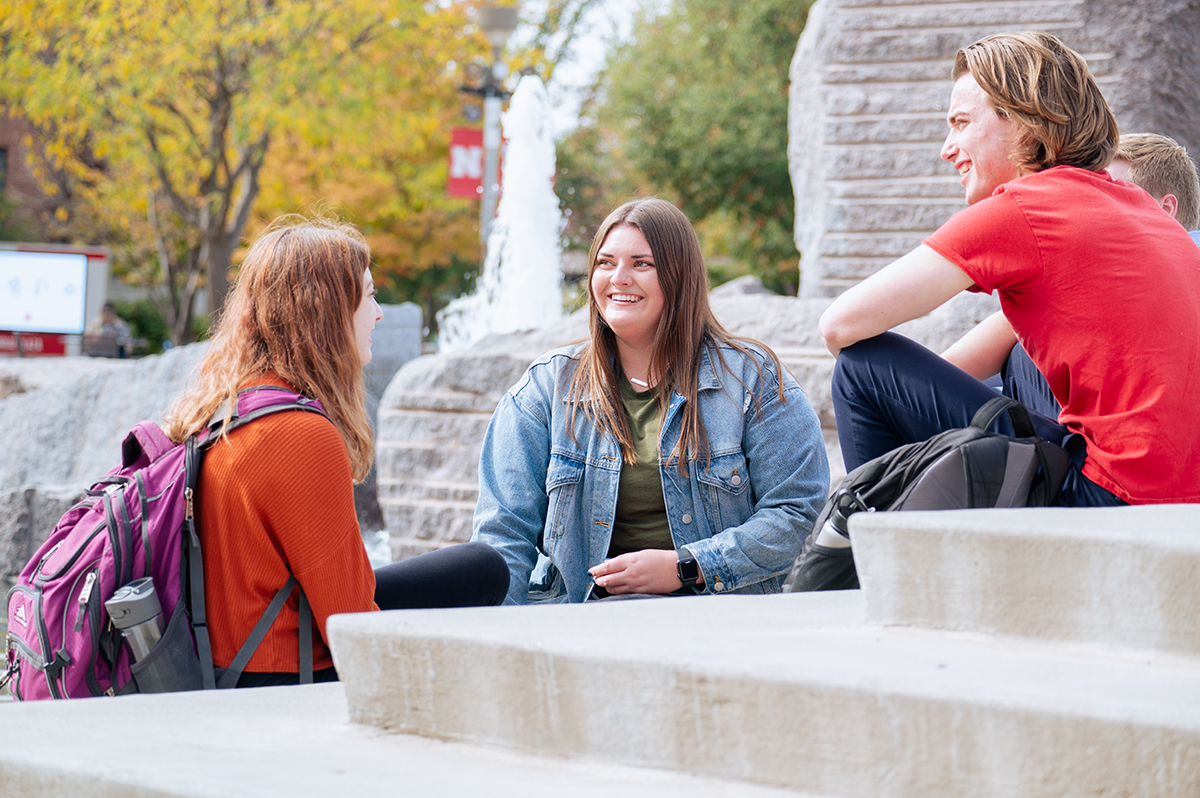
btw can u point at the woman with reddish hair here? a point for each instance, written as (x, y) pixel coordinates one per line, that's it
(276, 496)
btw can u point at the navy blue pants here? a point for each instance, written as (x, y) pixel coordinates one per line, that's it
(889, 391)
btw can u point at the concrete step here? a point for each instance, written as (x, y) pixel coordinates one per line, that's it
(1122, 576)
(284, 741)
(789, 691)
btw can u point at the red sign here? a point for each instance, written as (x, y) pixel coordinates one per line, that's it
(466, 163)
(32, 345)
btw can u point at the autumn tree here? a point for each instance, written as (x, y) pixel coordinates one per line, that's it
(694, 108)
(163, 114)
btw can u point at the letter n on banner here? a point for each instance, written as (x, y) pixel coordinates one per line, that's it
(466, 163)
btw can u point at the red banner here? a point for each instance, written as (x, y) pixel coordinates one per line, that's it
(466, 163)
(32, 344)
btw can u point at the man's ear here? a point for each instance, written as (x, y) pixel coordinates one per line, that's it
(1169, 203)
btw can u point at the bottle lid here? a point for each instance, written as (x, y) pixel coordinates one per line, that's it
(133, 603)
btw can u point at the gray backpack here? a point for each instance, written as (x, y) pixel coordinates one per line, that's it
(954, 470)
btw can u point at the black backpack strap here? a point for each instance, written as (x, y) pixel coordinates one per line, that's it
(234, 672)
(196, 565)
(147, 548)
(306, 658)
(995, 407)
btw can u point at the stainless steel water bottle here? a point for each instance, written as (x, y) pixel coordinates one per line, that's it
(134, 609)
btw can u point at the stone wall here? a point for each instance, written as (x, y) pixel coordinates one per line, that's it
(870, 87)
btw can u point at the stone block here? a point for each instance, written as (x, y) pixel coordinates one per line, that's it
(922, 129)
(930, 17)
(868, 216)
(865, 99)
(823, 704)
(428, 461)
(1119, 576)
(27, 516)
(427, 426)
(874, 161)
(886, 245)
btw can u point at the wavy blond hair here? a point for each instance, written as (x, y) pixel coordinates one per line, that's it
(1046, 89)
(290, 312)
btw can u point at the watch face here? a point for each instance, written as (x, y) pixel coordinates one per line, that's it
(689, 571)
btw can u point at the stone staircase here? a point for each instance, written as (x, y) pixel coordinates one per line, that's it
(1014, 653)
(990, 653)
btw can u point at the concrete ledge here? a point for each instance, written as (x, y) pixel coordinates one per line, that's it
(282, 741)
(1122, 576)
(786, 691)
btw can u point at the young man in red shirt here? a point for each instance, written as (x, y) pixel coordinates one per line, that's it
(1100, 286)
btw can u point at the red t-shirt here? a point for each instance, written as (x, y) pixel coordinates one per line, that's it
(279, 494)
(1103, 289)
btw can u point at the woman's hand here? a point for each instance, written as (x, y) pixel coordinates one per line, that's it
(645, 571)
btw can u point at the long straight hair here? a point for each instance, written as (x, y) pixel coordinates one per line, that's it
(290, 312)
(687, 326)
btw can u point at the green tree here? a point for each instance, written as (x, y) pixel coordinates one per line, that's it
(695, 109)
(162, 114)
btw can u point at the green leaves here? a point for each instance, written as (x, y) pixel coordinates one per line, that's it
(696, 108)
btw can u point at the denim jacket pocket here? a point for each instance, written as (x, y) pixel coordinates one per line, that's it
(563, 478)
(725, 489)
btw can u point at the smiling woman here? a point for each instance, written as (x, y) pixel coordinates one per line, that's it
(663, 456)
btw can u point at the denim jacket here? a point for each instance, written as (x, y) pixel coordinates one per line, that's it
(549, 502)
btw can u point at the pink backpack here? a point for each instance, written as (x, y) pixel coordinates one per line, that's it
(136, 521)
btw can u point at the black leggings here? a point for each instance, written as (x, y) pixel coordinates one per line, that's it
(466, 575)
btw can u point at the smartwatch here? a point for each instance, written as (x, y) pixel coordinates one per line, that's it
(687, 568)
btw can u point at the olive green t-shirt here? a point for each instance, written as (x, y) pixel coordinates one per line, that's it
(641, 521)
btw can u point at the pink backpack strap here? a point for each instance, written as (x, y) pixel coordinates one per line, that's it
(144, 444)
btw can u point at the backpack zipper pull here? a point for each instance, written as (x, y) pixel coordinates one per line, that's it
(187, 503)
(84, 595)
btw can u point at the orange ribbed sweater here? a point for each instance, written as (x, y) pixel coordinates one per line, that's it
(279, 493)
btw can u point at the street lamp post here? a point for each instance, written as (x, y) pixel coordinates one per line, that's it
(497, 24)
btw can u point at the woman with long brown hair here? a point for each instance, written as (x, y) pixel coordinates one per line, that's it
(664, 455)
(275, 496)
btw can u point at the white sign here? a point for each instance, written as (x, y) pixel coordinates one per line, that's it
(42, 291)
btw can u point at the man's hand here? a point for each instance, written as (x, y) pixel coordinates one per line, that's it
(645, 571)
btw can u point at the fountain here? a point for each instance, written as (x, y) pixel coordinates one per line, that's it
(520, 285)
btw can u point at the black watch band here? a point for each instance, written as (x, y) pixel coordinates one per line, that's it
(687, 568)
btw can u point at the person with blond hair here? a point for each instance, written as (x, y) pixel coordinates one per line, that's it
(276, 496)
(661, 456)
(1099, 285)
(1162, 167)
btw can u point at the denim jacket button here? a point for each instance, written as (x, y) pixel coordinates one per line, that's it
(687, 518)
(719, 586)
(735, 480)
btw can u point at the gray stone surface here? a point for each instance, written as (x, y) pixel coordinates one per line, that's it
(284, 741)
(792, 691)
(1123, 576)
(870, 85)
